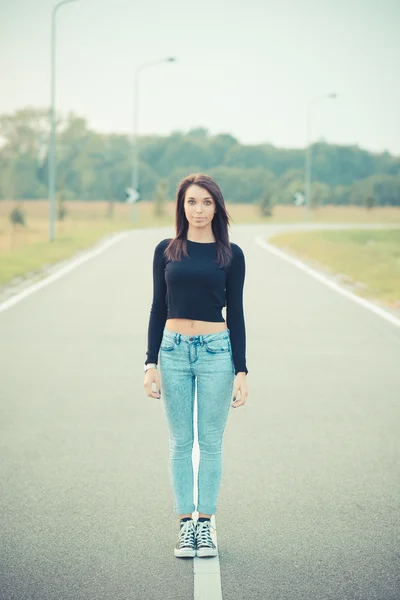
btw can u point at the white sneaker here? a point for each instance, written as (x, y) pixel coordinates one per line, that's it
(204, 543)
(186, 546)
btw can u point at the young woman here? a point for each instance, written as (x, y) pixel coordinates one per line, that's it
(195, 275)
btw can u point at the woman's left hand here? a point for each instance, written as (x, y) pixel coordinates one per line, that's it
(240, 387)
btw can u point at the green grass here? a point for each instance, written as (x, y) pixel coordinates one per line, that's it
(370, 259)
(25, 260)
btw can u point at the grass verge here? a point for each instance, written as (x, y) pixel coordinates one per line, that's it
(367, 260)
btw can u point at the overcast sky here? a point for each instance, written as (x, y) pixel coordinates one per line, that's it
(245, 67)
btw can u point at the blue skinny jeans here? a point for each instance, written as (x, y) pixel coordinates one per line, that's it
(205, 361)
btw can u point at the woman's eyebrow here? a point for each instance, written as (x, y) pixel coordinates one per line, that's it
(206, 198)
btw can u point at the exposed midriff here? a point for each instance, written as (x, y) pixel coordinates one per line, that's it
(192, 327)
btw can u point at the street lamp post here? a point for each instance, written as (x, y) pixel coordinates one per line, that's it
(52, 145)
(309, 151)
(135, 138)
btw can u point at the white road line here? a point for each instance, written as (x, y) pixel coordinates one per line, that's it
(332, 284)
(62, 271)
(207, 575)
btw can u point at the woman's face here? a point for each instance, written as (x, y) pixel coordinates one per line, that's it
(199, 206)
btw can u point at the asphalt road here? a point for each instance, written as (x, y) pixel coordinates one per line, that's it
(310, 500)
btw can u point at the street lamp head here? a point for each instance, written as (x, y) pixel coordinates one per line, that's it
(332, 95)
(171, 59)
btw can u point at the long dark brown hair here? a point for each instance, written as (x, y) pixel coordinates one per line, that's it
(178, 245)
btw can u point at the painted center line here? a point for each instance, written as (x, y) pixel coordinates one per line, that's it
(207, 575)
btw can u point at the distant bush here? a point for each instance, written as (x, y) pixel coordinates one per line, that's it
(61, 208)
(369, 202)
(17, 216)
(266, 204)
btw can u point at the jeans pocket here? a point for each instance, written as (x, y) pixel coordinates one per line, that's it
(218, 346)
(167, 345)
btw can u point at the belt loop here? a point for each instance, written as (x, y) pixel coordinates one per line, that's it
(178, 338)
(201, 340)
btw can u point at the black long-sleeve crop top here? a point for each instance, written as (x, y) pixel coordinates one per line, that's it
(198, 288)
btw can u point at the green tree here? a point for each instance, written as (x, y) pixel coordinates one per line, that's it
(94, 166)
(320, 194)
(160, 198)
(198, 132)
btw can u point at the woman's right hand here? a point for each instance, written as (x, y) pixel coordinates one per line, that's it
(150, 377)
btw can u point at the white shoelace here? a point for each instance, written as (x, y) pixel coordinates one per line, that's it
(203, 534)
(186, 534)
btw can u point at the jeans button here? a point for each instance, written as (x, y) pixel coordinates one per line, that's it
(190, 339)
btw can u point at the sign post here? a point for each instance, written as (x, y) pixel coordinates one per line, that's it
(132, 197)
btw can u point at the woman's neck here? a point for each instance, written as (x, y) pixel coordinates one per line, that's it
(205, 237)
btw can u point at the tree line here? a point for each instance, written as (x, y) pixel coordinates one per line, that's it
(97, 166)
